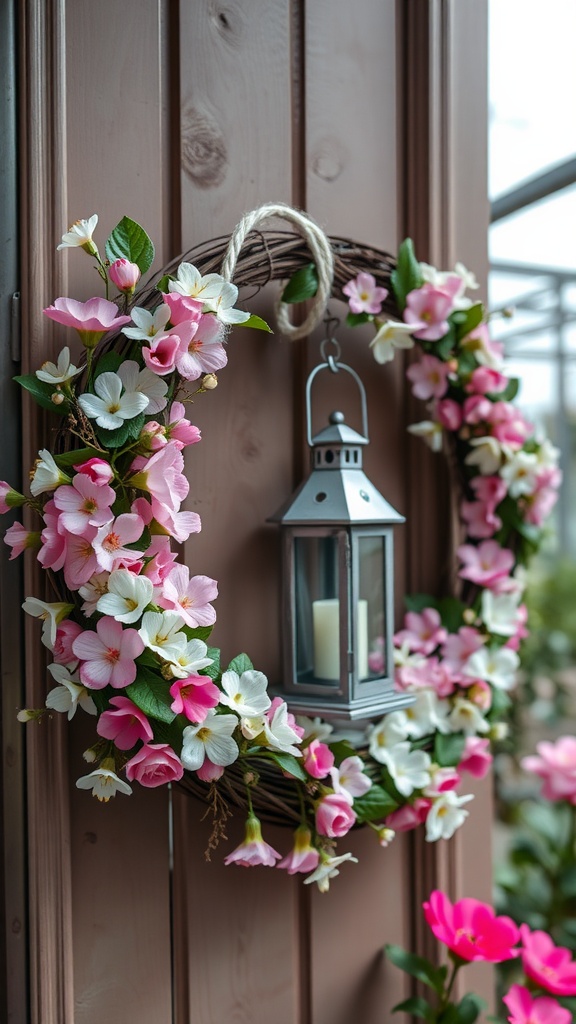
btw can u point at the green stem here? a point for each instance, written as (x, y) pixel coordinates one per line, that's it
(445, 1000)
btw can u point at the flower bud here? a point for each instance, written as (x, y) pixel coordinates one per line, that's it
(30, 714)
(57, 398)
(499, 731)
(125, 275)
(209, 381)
(385, 836)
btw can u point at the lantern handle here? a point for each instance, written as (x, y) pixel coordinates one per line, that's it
(334, 367)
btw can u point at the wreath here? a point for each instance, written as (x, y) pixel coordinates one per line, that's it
(130, 634)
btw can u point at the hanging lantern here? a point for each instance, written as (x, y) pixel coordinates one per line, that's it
(338, 579)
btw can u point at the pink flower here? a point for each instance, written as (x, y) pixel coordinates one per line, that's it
(126, 725)
(429, 377)
(476, 759)
(491, 489)
(162, 476)
(183, 307)
(334, 815)
(19, 539)
(155, 764)
(525, 1009)
(9, 498)
(97, 470)
(508, 424)
(66, 633)
(458, 647)
(125, 275)
(444, 780)
(427, 309)
(162, 559)
(177, 524)
(80, 562)
(449, 414)
(92, 319)
(479, 693)
(485, 381)
(303, 857)
(409, 816)
(111, 540)
(290, 720)
(477, 409)
(107, 656)
(209, 772)
(364, 296)
(189, 597)
(487, 564)
(548, 965)
(480, 518)
(180, 430)
(253, 850)
(203, 352)
(318, 759)
(160, 357)
(556, 765)
(423, 632)
(84, 504)
(193, 697)
(471, 929)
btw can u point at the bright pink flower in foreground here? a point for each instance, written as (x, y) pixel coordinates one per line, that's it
(107, 656)
(471, 929)
(124, 274)
(253, 850)
(193, 697)
(190, 596)
(487, 564)
(126, 725)
(423, 631)
(97, 470)
(155, 764)
(318, 759)
(428, 309)
(429, 377)
(476, 758)
(303, 857)
(91, 319)
(526, 1009)
(364, 296)
(334, 815)
(548, 965)
(160, 357)
(555, 763)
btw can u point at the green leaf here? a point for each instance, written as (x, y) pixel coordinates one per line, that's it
(469, 1008)
(241, 663)
(468, 320)
(257, 323)
(444, 348)
(143, 542)
(510, 392)
(417, 1006)
(500, 704)
(452, 613)
(375, 805)
(162, 284)
(149, 659)
(102, 697)
(129, 431)
(418, 602)
(41, 392)
(407, 276)
(450, 1015)
(74, 458)
(417, 966)
(302, 285)
(151, 694)
(341, 750)
(355, 319)
(198, 632)
(288, 763)
(448, 749)
(110, 362)
(129, 241)
(213, 670)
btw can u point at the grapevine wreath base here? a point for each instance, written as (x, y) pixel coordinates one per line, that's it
(129, 635)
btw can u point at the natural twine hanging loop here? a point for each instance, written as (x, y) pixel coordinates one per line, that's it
(320, 249)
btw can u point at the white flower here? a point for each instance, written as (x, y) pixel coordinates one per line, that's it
(104, 783)
(430, 432)
(466, 717)
(109, 407)
(409, 769)
(327, 869)
(223, 306)
(439, 278)
(190, 660)
(252, 727)
(58, 373)
(402, 656)
(391, 335)
(519, 473)
(314, 728)
(391, 729)
(497, 665)
(80, 233)
(468, 277)
(246, 694)
(127, 596)
(547, 454)
(500, 611)
(144, 382)
(349, 778)
(427, 714)
(51, 613)
(161, 632)
(189, 281)
(47, 476)
(210, 739)
(92, 591)
(69, 694)
(279, 734)
(446, 815)
(487, 455)
(147, 324)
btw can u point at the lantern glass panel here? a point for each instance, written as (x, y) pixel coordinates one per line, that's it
(317, 611)
(371, 615)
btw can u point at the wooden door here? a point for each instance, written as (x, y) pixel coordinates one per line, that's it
(183, 116)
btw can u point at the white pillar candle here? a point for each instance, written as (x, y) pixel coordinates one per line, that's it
(326, 628)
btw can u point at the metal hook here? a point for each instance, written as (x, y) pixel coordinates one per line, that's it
(331, 324)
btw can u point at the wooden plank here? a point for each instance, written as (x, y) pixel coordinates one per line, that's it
(235, 933)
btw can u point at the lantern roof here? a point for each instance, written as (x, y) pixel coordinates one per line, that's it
(338, 432)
